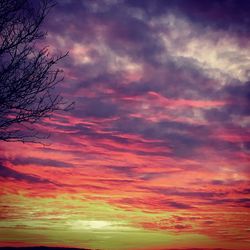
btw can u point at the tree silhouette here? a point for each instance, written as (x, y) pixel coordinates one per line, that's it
(27, 74)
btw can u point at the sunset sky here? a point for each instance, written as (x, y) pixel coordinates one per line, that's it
(155, 153)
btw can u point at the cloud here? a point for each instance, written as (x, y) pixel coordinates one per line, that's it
(160, 128)
(179, 205)
(40, 162)
(6, 172)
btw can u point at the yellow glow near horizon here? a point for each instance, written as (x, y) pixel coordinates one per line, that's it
(93, 224)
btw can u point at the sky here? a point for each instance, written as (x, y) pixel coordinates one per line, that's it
(155, 153)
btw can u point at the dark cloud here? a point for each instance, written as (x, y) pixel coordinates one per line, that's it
(226, 182)
(128, 171)
(229, 15)
(242, 202)
(6, 172)
(182, 193)
(95, 108)
(238, 96)
(40, 162)
(124, 29)
(223, 15)
(178, 205)
(244, 191)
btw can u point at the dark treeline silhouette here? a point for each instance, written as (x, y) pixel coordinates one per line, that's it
(66, 248)
(42, 248)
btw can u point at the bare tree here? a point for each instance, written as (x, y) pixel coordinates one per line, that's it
(27, 74)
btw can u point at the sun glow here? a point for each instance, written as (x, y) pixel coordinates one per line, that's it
(92, 224)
